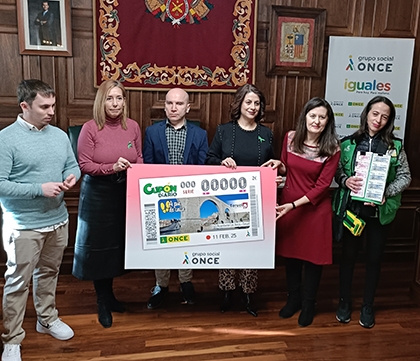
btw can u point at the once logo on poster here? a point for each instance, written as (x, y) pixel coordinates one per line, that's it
(204, 258)
(175, 239)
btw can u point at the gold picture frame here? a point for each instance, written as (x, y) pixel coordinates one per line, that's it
(44, 27)
(296, 43)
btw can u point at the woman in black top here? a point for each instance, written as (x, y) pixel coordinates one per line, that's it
(244, 141)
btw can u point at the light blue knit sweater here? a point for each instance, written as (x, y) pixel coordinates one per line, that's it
(27, 160)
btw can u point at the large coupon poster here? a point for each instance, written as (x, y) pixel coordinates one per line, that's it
(362, 68)
(200, 217)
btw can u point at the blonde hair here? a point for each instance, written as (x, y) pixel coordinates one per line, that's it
(99, 113)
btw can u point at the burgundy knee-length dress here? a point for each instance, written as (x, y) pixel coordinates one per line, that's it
(306, 232)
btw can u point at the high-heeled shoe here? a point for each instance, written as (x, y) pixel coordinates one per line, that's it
(249, 304)
(226, 302)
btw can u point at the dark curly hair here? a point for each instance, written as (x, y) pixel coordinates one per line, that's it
(235, 107)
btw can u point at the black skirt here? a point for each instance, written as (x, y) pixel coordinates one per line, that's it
(100, 237)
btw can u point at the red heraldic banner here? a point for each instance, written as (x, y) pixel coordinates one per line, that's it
(160, 44)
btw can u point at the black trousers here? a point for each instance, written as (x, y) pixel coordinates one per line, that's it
(375, 235)
(104, 291)
(311, 278)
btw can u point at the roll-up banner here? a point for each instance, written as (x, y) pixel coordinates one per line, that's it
(360, 69)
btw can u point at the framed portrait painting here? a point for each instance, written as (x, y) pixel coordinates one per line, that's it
(44, 27)
(296, 44)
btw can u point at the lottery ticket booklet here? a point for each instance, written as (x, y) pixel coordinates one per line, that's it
(373, 169)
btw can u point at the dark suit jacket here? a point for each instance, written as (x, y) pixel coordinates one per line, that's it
(155, 149)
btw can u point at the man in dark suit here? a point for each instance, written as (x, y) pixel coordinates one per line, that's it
(174, 141)
(45, 20)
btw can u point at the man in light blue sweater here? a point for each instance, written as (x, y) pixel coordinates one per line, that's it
(37, 166)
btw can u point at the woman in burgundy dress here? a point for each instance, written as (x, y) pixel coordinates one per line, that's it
(107, 146)
(309, 159)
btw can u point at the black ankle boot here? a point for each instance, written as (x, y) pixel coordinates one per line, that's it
(105, 297)
(308, 313)
(226, 302)
(104, 314)
(294, 304)
(249, 304)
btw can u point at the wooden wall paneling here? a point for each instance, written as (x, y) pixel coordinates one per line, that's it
(227, 100)
(208, 107)
(33, 70)
(140, 112)
(157, 106)
(264, 13)
(82, 19)
(395, 20)
(8, 17)
(80, 74)
(151, 110)
(369, 19)
(215, 114)
(344, 18)
(317, 85)
(47, 69)
(82, 4)
(412, 131)
(8, 113)
(402, 231)
(11, 69)
(10, 76)
(297, 3)
(78, 120)
(201, 107)
(80, 66)
(275, 114)
(415, 286)
(411, 140)
(300, 90)
(198, 106)
(290, 102)
(61, 89)
(134, 100)
(309, 3)
(267, 84)
(279, 113)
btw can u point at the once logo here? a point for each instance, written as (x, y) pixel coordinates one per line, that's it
(174, 239)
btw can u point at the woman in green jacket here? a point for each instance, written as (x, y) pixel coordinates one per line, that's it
(374, 135)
